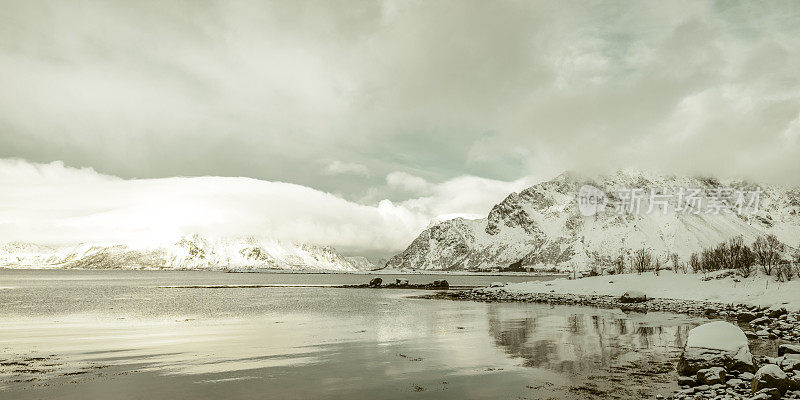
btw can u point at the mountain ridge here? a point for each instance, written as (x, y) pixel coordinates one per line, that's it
(541, 226)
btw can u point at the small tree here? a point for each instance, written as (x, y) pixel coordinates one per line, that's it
(676, 262)
(657, 267)
(642, 260)
(694, 262)
(619, 263)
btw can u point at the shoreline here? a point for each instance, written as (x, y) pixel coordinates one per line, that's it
(763, 322)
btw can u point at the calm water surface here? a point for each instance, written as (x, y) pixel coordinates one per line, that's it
(118, 334)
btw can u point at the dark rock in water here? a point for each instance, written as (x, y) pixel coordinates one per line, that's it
(788, 349)
(375, 282)
(443, 284)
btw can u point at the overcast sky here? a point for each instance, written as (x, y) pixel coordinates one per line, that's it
(399, 99)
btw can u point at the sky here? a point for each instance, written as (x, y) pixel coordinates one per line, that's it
(422, 104)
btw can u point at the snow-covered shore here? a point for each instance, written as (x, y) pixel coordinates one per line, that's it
(757, 290)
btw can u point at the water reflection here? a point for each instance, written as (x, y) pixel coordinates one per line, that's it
(572, 339)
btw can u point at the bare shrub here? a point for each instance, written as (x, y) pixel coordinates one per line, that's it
(768, 250)
(694, 262)
(642, 261)
(619, 263)
(785, 271)
(676, 262)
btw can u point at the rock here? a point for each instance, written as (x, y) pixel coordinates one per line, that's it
(711, 376)
(778, 313)
(375, 282)
(497, 284)
(759, 321)
(767, 394)
(715, 344)
(746, 376)
(770, 376)
(686, 381)
(788, 349)
(745, 317)
(734, 383)
(633, 296)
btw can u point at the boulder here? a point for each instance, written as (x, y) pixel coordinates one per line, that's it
(497, 284)
(686, 381)
(711, 376)
(788, 349)
(633, 296)
(770, 376)
(767, 394)
(375, 282)
(715, 344)
(745, 317)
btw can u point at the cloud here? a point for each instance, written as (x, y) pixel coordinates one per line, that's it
(53, 203)
(406, 182)
(346, 168)
(500, 89)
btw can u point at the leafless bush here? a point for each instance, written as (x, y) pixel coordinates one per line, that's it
(657, 266)
(676, 262)
(768, 251)
(785, 271)
(642, 261)
(694, 262)
(619, 263)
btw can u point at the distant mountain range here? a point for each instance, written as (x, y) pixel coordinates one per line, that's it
(190, 252)
(541, 226)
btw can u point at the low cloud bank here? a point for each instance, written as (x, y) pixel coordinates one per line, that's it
(54, 203)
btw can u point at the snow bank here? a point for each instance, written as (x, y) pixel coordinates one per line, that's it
(757, 290)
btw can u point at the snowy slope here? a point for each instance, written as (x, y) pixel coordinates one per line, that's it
(542, 226)
(190, 252)
(361, 263)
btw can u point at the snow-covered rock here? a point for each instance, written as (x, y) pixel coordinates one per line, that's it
(541, 226)
(190, 252)
(715, 344)
(770, 376)
(633, 296)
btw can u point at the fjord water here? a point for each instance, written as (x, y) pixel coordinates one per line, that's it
(124, 335)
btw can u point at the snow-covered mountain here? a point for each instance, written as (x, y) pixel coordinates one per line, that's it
(190, 252)
(361, 263)
(541, 225)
